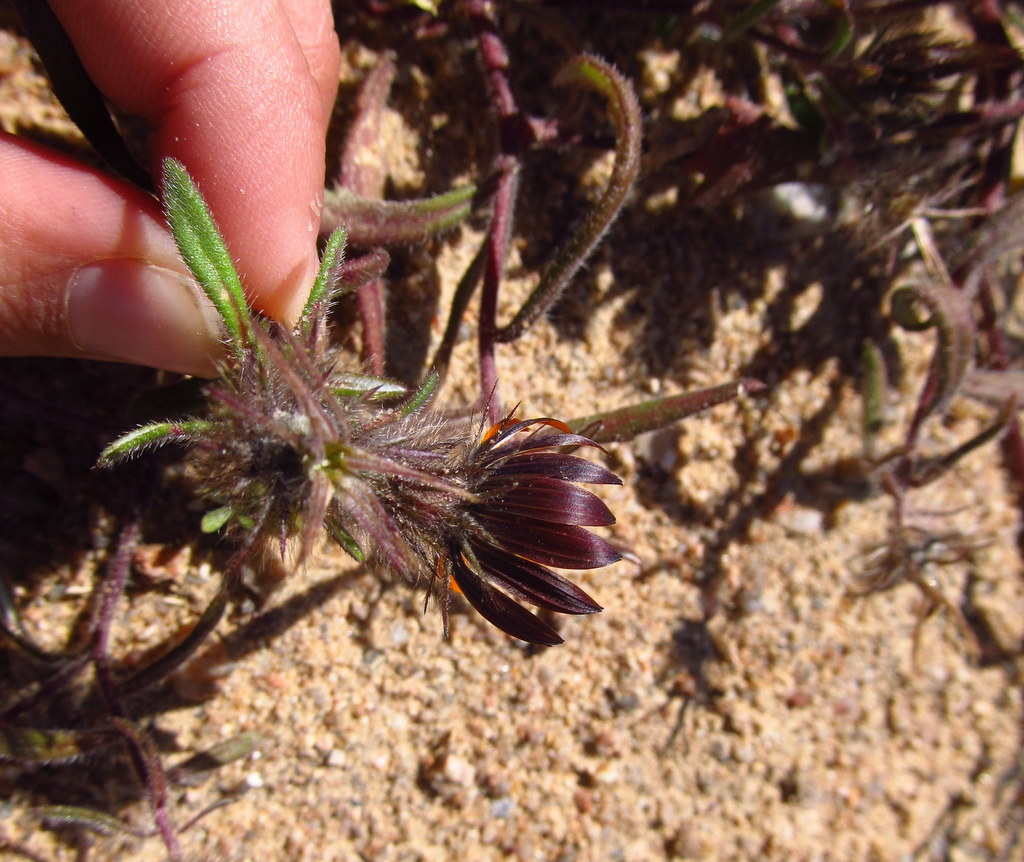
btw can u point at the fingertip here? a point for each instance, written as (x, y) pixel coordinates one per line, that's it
(130, 311)
(89, 270)
(285, 304)
(265, 192)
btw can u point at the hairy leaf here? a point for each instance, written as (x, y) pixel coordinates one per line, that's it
(149, 437)
(327, 276)
(595, 74)
(626, 423)
(203, 249)
(948, 310)
(375, 222)
(97, 821)
(32, 745)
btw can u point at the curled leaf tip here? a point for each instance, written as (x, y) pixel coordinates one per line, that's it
(600, 76)
(948, 309)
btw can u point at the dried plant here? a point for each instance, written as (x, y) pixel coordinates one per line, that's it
(913, 129)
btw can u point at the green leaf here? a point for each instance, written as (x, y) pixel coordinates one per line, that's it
(31, 745)
(375, 222)
(422, 395)
(215, 519)
(323, 286)
(627, 422)
(193, 770)
(747, 18)
(238, 746)
(97, 821)
(350, 385)
(873, 388)
(600, 76)
(149, 437)
(203, 249)
(342, 537)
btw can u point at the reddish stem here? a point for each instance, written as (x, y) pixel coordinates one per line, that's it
(999, 358)
(511, 136)
(367, 177)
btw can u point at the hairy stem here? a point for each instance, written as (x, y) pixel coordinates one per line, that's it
(598, 75)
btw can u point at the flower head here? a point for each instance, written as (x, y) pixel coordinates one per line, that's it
(482, 518)
(529, 514)
(287, 446)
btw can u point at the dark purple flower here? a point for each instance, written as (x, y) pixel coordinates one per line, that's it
(528, 514)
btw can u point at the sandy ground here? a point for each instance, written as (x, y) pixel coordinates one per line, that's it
(731, 702)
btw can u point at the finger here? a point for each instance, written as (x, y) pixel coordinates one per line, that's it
(230, 92)
(87, 269)
(313, 25)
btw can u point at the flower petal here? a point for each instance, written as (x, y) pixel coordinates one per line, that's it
(529, 444)
(533, 583)
(546, 499)
(559, 466)
(499, 610)
(564, 545)
(510, 426)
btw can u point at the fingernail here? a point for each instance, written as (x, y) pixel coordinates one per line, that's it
(130, 311)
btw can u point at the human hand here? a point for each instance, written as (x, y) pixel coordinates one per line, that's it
(240, 91)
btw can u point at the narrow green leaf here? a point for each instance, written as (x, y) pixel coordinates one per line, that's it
(627, 422)
(340, 535)
(422, 395)
(31, 745)
(215, 519)
(97, 821)
(234, 748)
(149, 437)
(346, 385)
(600, 76)
(323, 286)
(376, 222)
(747, 18)
(842, 38)
(873, 388)
(203, 249)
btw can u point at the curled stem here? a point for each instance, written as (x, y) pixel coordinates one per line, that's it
(945, 307)
(598, 75)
